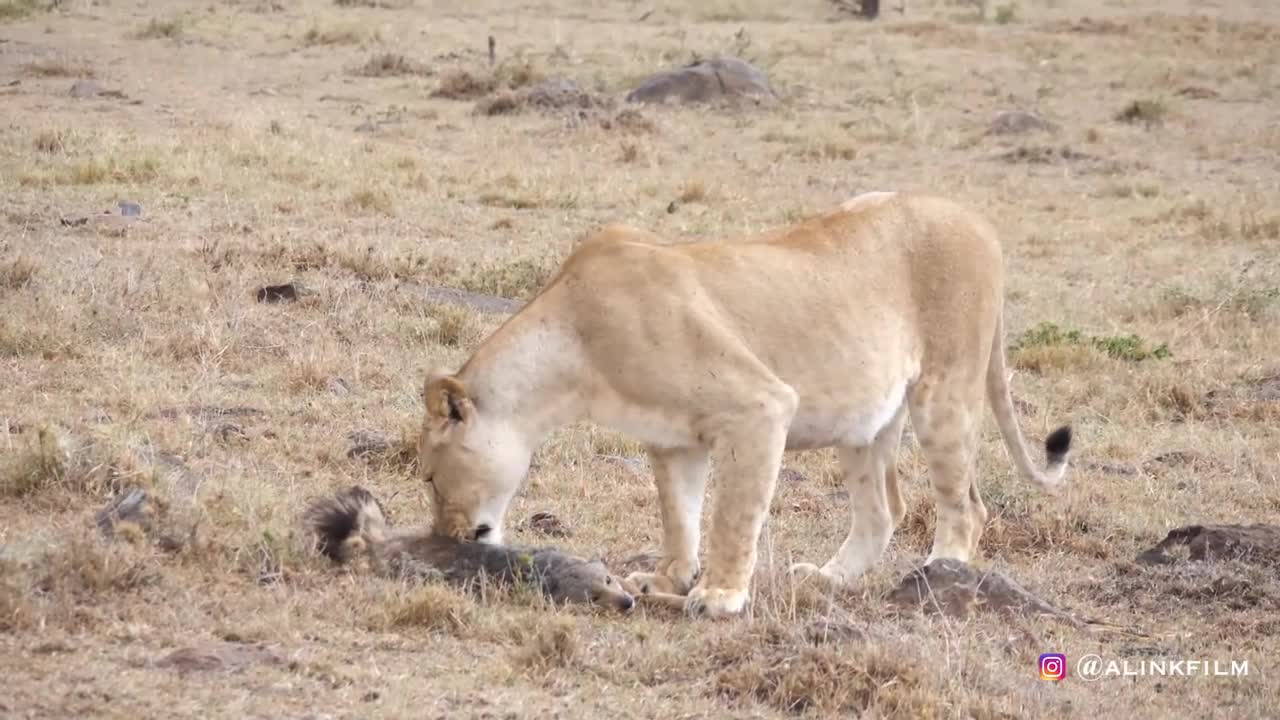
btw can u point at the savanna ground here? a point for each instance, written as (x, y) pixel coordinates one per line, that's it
(337, 145)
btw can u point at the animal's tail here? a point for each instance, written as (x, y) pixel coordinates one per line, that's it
(1056, 447)
(347, 523)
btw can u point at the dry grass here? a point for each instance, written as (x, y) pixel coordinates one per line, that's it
(1144, 308)
(391, 65)
(59, 67)
(19, 9)
(158, 29)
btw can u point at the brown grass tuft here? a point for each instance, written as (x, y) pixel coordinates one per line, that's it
(50, 141)
(554, 644)
(458, 83)
(16, 273)
(519, 278)
(462, 84)
(58, 67)
(391, 65)
(777, 667)
(1148, 112)
(157, 29)
(371, 200)
(338, 35)
(434, 608)
(19, 9)
(694, 191)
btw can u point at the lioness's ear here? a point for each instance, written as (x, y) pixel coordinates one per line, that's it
(446, 397)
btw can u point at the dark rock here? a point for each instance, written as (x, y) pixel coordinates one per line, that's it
(1258, 544)
(287, 292)
(368, 444)
(956, 589)
(704, 81)
(132, 506)
(788, 475)
(547, 524)
(85, 89)
(1267, 389)
(633, 465)
(220, 657)
(229, 433)
(1017, 122)
(823, 631)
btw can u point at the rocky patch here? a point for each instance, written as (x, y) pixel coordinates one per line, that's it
(706, 81)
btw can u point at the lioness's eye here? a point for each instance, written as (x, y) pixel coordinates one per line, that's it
(431, 478)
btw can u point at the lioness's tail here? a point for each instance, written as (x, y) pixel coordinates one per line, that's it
(347, 523)
(1056, 446)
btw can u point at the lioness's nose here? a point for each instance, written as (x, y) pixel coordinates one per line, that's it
(480, 532)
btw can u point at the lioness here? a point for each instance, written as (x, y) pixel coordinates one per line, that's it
(828, 333)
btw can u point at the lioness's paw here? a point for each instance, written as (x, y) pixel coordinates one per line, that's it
(801, 572)
(714, 602)
(653, 583)
(683, 574)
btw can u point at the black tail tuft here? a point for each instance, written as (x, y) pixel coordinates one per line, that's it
(1057, 445)
(336, 519)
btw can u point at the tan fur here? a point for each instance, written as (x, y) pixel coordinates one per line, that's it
(828, 333)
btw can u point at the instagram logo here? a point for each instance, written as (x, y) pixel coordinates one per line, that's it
(1053, 666)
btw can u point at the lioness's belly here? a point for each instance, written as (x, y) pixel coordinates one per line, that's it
(824, 421)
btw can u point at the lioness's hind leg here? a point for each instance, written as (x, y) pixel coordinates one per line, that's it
(874, 502)
(978, 510)
(946, 426)
(681, 477)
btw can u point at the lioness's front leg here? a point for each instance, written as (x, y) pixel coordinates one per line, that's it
(748, 455)
(681, 476)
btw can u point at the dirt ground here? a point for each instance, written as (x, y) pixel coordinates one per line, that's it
(367, 151)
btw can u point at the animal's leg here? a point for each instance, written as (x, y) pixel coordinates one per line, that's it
(748, 447)
(978, 510)
(874, 502)
(681, 476)
(945, 418)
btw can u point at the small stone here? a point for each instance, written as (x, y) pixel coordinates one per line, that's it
(703, 81)
(230, 433)
(1257, 543)
(1016, 122)
(367, 445)
(85, 89)
(631, 464)
(831, 631)
(130, 209)
(787, 475)
(548, 524)
(287, 292)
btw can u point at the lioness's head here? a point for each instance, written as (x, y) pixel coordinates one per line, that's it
(473, 461)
